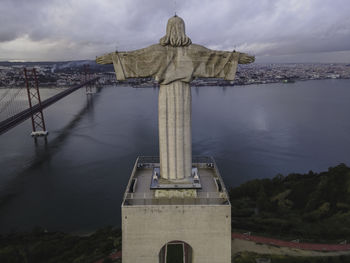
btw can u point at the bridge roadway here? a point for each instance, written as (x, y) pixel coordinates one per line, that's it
(13, 121)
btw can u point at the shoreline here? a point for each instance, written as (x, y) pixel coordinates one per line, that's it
(205, 84)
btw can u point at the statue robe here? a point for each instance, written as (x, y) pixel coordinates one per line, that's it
(173, 68)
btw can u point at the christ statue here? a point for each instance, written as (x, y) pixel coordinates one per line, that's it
(174, 63)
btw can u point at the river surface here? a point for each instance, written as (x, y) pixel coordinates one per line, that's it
(76, 181)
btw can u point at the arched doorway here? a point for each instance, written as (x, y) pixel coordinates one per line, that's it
(176, 252)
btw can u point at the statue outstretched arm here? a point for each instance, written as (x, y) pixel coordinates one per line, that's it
(245, 58)
(133, 64)
(105, 59)
(217, 64)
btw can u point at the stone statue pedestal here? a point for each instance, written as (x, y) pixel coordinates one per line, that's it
(194, 221)
(190, 182)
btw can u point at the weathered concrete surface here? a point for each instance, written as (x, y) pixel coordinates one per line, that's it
(167, 64)
(207, 229)
(174, 63)
(202, 220)
(174, 120)
(181, 193)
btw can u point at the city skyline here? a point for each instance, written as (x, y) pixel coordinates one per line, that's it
(274, 31)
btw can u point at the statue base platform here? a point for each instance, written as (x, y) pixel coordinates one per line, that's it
(174, 215)
(190, 182)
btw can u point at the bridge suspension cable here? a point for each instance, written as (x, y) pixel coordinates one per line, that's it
(21, 116)
(11, 102)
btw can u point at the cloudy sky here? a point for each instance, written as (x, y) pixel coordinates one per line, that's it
(273, 30)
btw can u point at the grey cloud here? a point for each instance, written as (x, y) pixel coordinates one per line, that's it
(20, 17)
(84, 29)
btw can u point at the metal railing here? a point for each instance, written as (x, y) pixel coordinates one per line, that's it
(148, 198)
(205, 198)
(147, 159)
(155, 159)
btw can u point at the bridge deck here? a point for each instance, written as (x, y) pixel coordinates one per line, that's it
(13, 121)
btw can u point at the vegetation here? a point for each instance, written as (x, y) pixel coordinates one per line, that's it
(314, 206)
(41, 246)
(249, 257)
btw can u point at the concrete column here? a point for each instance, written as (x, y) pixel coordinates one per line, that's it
(175, 147)
(188, 130)
(180, 112)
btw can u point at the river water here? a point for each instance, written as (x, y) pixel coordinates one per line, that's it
(76, 181)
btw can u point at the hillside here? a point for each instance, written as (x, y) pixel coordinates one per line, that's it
(42, 246)
(312, 206)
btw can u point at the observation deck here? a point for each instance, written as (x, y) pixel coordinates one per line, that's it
(140, 190)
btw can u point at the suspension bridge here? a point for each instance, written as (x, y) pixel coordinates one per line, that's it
(18, 104)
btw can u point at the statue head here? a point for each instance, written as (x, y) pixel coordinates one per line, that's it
(175, 33)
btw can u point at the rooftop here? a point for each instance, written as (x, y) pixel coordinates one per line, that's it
(211, 192)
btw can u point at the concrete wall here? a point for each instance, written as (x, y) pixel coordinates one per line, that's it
(207, 229)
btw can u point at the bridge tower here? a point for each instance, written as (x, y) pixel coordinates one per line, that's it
(32, 86)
